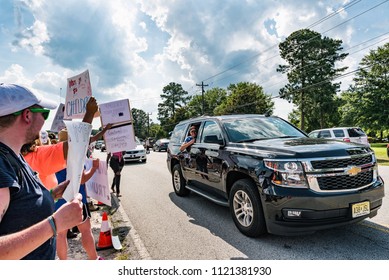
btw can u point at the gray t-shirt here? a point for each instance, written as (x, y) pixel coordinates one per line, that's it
(30, 202)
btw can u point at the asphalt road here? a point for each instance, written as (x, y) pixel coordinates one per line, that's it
(176, 228)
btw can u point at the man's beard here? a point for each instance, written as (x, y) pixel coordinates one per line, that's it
(31, 134)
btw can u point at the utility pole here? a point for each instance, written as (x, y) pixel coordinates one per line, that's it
(202, 95)
(148, 124)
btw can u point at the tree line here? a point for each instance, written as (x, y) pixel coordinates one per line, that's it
(311, 68)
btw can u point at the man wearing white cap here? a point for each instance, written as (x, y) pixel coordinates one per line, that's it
(28, 223)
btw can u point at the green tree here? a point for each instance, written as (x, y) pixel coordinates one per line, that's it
(212, 98)
(311, 70)
(245, 98)
(140, 122)
(367, 101)
(173, 96)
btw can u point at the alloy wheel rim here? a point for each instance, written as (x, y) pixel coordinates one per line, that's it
(243, 208)
(177, 180)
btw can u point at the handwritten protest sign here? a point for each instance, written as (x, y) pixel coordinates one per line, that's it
(97, 186)
(120, 138)
(115, 112)
(78, 92)
(78, 141)
(58, 123)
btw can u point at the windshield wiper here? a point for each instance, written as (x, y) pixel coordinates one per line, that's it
(251, 140)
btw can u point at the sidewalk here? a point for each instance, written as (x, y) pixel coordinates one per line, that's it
(133, 248)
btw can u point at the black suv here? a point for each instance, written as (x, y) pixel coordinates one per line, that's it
(272, 176)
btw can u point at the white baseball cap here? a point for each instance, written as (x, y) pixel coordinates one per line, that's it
(15, 98)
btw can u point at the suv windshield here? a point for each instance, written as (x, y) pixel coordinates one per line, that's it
(262, 128)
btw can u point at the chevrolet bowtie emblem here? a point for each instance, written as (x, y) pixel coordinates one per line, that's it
(353, 170)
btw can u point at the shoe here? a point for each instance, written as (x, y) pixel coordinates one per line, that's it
(118, 195)
(71, 234)
(99, 258)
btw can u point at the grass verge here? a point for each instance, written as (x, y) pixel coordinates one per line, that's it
(380, 152)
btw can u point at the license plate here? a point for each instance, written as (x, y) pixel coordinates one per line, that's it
(360, 209)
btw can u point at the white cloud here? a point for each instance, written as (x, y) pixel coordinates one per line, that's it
(134, 48)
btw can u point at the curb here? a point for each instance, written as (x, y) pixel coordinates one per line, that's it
(132, 245)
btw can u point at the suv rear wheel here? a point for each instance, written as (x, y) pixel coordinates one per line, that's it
(246, 208)
(179, 181)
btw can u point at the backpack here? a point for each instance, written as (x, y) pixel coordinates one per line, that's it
(14, 162)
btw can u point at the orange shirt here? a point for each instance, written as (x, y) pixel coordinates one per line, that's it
(47, 160)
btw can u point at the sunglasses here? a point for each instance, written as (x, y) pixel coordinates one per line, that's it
(45, 112)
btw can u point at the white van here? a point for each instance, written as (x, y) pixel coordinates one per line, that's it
(346, 134)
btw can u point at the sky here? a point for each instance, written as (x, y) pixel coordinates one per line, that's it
(133, 49)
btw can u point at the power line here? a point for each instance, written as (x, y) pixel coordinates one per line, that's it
(273, 46)
(314, 24)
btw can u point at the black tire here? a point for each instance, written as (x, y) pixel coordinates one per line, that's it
(144, 160)
(179, 182)
(246, 208)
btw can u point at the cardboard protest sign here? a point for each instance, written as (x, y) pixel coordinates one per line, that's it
(58, 123)
(78, 141)
(115, 112)
(78, 92)
(120, 138)
(97, 186)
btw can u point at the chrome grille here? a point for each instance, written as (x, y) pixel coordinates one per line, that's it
(341, 163)
(341, 174)
(345, 182)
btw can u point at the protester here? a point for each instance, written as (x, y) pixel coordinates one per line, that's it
(28, 223)
(116, 162)
(85, 228)
(47, 159)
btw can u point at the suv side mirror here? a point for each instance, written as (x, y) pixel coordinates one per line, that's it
(213, 139)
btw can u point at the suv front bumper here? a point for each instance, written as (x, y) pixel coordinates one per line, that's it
(301, 211)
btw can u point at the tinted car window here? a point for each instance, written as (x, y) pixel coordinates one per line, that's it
(355, 132)
(249, 129)
(211, 129)
(177, 134)
(338, 132)
(325, 134)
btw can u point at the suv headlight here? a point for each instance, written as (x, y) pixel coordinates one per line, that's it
(287, 173)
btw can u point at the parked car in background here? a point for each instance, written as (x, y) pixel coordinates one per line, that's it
(346, 134)
(136, 154)
(161, 145)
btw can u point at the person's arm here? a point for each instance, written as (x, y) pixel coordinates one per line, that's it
(187, 144)
(86, 175)
(91, 109)
(19, 244)
(100, 134)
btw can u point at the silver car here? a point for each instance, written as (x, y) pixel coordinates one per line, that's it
(346, 134)
(137, 154)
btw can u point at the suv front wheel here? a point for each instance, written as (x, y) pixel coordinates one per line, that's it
(246, 208)
(179, 181)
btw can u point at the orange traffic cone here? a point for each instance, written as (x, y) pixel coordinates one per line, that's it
(105, 238)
